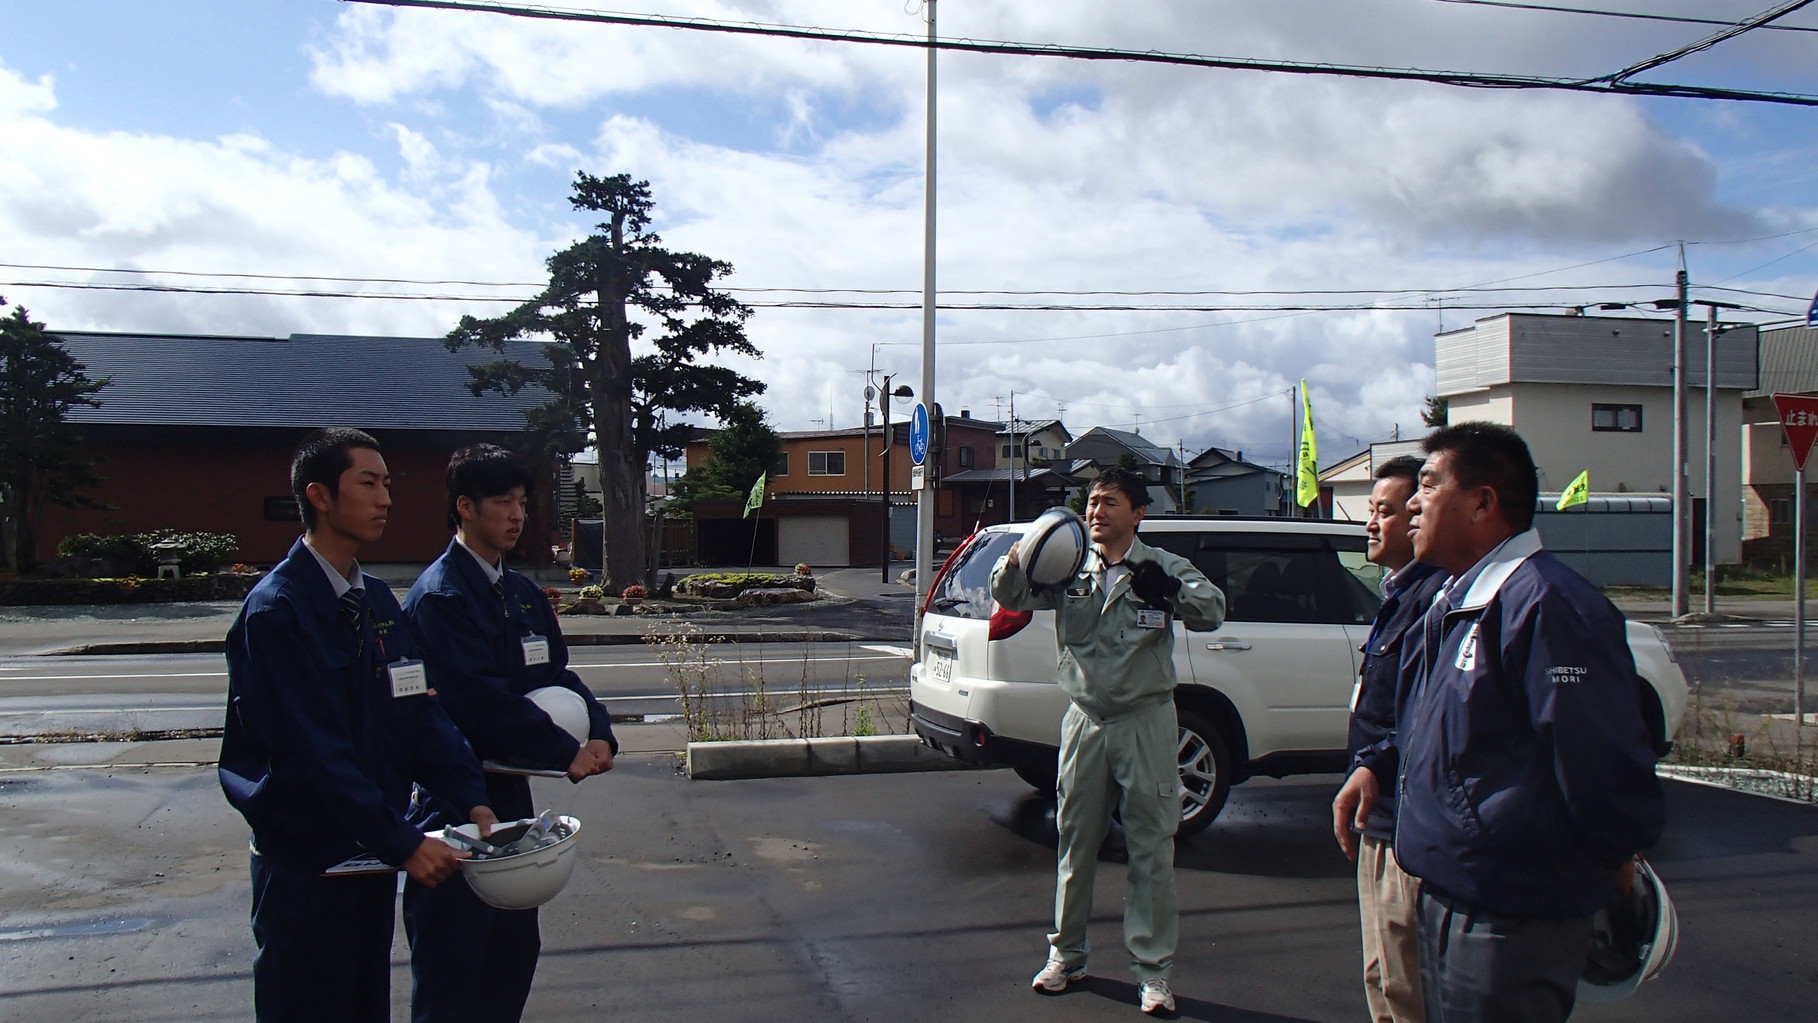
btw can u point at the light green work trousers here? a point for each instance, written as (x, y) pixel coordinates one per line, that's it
(1130, 758)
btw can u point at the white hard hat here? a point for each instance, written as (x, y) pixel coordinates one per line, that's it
(1635, 935)
(526, 880)
(1053, 547)
(566, 708)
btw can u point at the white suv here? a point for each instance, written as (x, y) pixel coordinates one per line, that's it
(1267, 693)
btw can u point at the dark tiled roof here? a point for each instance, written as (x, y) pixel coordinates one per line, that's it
(1789, 361)
(375, 383)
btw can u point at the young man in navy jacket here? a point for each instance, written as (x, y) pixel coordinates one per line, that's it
(491, 638)
(329, 719)
(1527, 781)
(1363, 814)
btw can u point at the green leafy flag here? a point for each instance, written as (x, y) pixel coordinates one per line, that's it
(756, 498)
(1306, 484)
(1576, 492)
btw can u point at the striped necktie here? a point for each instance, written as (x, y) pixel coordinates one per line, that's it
(353, 608)
(498, 590)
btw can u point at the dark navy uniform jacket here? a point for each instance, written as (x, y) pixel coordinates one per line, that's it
(1527, 771)
(317, 753)
(1390, 658)
(475, 650)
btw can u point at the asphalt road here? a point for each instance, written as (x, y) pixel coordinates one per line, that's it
(167, 692)
(904, 898)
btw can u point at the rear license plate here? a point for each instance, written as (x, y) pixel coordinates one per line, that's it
(942, 667)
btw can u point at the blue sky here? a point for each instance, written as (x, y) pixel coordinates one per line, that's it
(314, 137)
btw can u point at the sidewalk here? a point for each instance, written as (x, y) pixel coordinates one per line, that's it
(855, 606)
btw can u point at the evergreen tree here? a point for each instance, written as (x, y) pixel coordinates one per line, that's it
(617, 286)
(743, 449)
(43, 460)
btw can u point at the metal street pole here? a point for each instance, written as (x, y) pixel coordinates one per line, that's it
(1682, 518)
(1710, 457)
(924, 498)
(883, 400)
(1799, 599)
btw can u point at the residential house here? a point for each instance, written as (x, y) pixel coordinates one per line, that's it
(1789, 365)
(1105, 448)
(196, 432)
(1221, 482)
(1596, 393)
(1350, 480)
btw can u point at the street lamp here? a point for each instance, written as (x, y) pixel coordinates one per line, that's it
(883, 400)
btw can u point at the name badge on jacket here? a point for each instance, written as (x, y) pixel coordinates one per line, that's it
(408, 678)
(1150, 618)
(536, 650)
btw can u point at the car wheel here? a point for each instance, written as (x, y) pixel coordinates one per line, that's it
(1043, 777)
(1205, 772)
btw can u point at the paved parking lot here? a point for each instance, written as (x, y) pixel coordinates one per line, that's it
(898, 898)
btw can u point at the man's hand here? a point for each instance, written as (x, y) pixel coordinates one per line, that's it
(1624, 879)
(1153, 585)
(434, 861)
(485, 818)
(1351, 808)
(594, 757)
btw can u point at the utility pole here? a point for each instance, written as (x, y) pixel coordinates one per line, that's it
(924, 498)
(1682, 518)
(1013, 453)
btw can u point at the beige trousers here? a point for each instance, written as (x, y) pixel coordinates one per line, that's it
(1388, 903)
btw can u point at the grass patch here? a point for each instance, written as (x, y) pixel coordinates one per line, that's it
(728, 699)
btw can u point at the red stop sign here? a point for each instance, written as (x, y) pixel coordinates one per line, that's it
(1799, 418)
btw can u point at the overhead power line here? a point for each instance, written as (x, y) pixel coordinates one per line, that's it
(1711, 40)
(1464, 79)
(1630, 15)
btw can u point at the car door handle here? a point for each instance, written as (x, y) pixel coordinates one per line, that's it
(1228, 644)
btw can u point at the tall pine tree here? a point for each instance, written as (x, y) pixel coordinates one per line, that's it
(43, 460)
(617, 286)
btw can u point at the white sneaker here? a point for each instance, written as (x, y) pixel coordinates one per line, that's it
(1056, 975)
(1155, 996)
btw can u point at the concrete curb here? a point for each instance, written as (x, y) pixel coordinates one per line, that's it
(215, 646)
(795, 758)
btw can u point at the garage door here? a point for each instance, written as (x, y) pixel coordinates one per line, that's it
(814, 540)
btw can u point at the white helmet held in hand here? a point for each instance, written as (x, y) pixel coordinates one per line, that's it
(567, 708)
(1635, 938)
(1053, 547)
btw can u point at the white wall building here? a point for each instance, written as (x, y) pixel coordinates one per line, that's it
(1596, 393)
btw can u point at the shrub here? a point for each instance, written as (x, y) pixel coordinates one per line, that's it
(801, 569)
(634, 592)
(591, 593)
(552, 593)
(579, 575)
(197, 553)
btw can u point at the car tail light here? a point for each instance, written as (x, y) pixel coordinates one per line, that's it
(1005, 624)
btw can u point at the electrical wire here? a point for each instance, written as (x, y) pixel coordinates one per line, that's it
(1708, 41)
(1618, 84)
(1633, 15)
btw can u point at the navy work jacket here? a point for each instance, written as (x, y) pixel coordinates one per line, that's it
(1390, 658)
(475, 647)
(1527, 772)
(316, 753)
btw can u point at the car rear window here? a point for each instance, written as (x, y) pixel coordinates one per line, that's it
(965, 591)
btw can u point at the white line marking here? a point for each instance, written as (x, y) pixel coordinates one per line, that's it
(139, 674)
(894, 651)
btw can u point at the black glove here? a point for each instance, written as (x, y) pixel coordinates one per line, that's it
(1153, 585)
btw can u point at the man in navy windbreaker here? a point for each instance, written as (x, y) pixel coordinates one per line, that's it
(1527, 780)
(491, 638)
(329, 720)
(1363, 812)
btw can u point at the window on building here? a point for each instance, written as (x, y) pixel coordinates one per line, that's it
(1006, 453)
(826, 463)
(781, 466)
(965, 458)
(1780, 511)
(282, 509)
(1616, 418)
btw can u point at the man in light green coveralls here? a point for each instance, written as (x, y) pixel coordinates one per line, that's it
(1115, 625)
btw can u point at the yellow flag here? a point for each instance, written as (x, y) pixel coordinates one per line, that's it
(1306, 482)
(1576, 492)
(755, 499)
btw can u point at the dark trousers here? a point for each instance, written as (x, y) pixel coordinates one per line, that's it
(324, 945)
(469, 961)
(1481, 967)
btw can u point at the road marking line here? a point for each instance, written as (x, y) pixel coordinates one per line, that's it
(894, 651)
(139, 674)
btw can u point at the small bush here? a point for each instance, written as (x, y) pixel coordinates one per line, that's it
(634, 592)
(552, 593)
(579, 576)
(592, 593)
(197, 553)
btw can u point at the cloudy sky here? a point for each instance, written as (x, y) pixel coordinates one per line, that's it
(315, 138)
